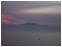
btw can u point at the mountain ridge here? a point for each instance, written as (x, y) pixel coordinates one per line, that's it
(26, 25)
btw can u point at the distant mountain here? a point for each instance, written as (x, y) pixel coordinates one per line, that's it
(30, 24)
(27, 25)
(34, 25)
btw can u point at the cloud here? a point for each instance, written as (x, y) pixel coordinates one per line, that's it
(13, 6)
(20, 12)
(5, 21)
(16, 22)
(31, 12)
(41, 10)
(3, 16)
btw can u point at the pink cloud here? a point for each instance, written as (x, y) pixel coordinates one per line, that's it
(3, 16)
(17, 22)
(5, 21)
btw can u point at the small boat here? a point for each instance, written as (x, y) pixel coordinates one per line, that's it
(38, 39)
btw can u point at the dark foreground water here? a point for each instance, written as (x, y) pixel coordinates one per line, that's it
(44, 37)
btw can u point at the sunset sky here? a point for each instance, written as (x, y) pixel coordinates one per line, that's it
(39, 12)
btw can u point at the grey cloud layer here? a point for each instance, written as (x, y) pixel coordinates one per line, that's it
(21, 5)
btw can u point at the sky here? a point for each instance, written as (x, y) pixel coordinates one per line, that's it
(39, 12)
